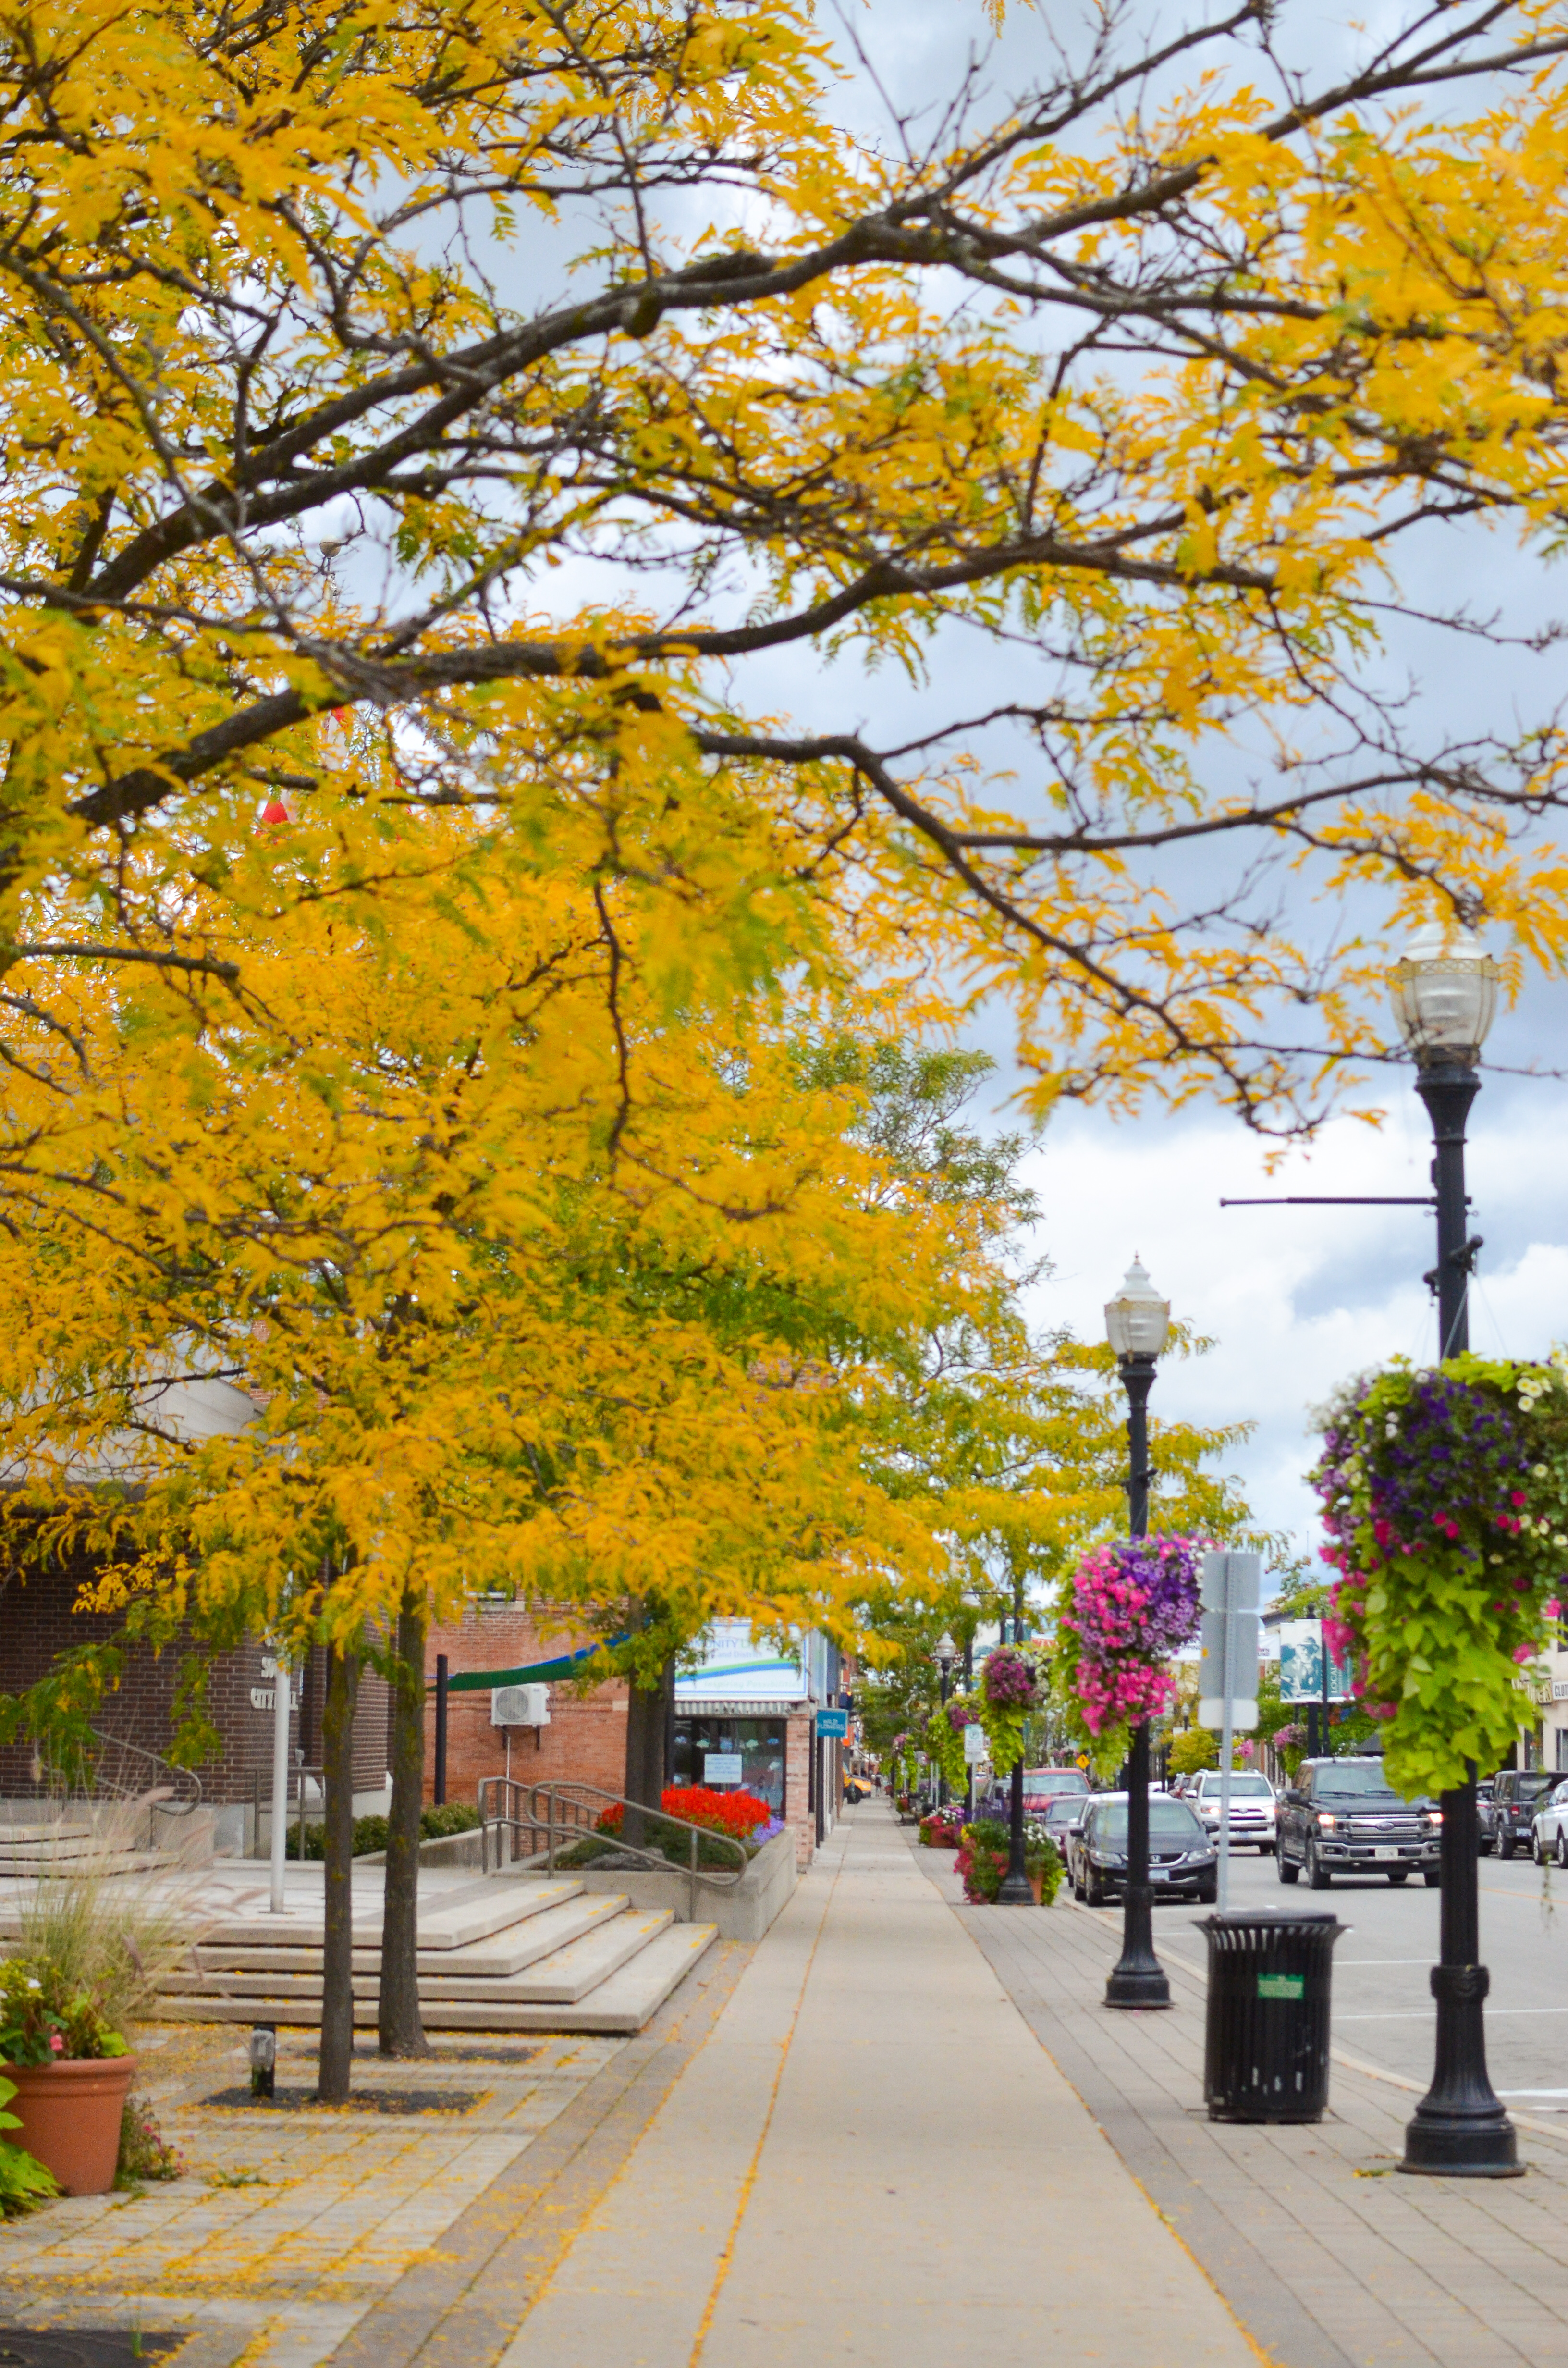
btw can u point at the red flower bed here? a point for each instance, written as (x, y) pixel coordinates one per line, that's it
(738, 1814)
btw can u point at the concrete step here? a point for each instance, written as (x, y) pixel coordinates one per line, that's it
(478, 1912)
(565, 1976)
(43, 1863)
(623, 2002)
(539, 1935)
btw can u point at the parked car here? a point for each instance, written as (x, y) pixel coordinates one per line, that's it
(1548, 1832)
(1251, 1808)
(1061, 1818)
(1041, 1786)
(1343, 1817)
(1183, 1863)
(1485, 1830)
(1516, 1795)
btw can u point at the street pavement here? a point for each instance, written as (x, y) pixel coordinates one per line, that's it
(898, 2131)
(1382, 2006)
(1329, 2258)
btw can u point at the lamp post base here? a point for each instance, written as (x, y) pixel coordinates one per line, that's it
(1137, 1986)
(1017, 1892)
(1138, 1978)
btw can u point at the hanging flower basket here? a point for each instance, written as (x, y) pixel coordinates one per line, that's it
(1009, 1689)
(1445, 1497)
(944, 1739)
(1121, 1616)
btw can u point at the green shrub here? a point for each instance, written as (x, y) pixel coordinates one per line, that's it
(24, 2182)
(370, 1833)
(452, 1818)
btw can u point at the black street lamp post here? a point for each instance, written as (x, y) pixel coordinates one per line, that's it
(946, 1655)
(1137, 1324)
(1444, 994)
(1015, 1891)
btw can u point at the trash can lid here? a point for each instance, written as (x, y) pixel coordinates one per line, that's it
(1227, 1918)
(1322, 1922)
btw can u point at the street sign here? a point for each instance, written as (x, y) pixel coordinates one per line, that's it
(1227, 1676)
(1227, 1680)
(973, 1744)
(832, 1724)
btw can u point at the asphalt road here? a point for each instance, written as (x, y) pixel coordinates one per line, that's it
(1382, 2004)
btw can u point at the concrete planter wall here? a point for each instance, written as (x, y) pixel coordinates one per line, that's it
(742, 1911)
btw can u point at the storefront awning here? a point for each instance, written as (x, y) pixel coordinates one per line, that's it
(534, 1673)
(704, 1708)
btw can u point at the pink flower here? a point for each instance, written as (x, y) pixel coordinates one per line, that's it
(56, 2043)
(1524, 1652)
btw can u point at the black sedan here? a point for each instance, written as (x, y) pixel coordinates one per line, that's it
(1183, 1863)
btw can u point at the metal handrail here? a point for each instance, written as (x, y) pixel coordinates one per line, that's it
(181, 1789)
(572, 1812)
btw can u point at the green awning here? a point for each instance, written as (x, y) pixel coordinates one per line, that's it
(536, 1673)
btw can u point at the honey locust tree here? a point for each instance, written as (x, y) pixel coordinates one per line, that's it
(396, 400)
(1013, 1435)
(549, 1270)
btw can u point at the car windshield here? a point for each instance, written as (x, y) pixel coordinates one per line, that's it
(1353, 1784)
(1243, 1788)
(1169, 1821)
(1044, 1783)
(1063, 1809)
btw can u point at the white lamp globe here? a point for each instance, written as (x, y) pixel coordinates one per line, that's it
(1137, 1321)
(1445, 994)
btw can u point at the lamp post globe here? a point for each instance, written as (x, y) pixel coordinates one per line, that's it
(1444, 991)
(1138, 1324)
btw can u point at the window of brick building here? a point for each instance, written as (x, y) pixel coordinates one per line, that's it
(757, 1743)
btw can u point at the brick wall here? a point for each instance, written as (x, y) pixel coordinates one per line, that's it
(798, 1816)
(586, 1734)
(39, 1623)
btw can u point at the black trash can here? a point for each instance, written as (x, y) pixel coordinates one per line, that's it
(1266, 2055)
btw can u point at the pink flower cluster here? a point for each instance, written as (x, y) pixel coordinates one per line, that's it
(1131, 1606)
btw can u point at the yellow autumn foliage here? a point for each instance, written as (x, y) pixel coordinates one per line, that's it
(399, 405)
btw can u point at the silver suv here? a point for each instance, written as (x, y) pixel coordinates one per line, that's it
(1251, 1808)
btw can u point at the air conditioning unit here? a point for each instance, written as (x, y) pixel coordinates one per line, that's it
(519, 1706)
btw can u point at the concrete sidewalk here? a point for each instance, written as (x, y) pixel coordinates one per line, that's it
(872, 2159)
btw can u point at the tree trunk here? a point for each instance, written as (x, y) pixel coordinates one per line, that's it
(647, 1725)
(400, 2028)
(337, 1949)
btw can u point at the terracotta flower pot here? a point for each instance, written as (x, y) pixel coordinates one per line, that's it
(1037, 1885)
(70, 2112)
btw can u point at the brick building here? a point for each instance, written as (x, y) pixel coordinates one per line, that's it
(40, 1622)
(746, 1717)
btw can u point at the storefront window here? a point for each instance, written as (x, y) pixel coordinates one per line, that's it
(757, 1743)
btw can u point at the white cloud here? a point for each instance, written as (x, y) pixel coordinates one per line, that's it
(1297, 1299)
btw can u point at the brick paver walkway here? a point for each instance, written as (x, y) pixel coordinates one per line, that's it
(346, 2233)
(1329, 2257)
(877, 2140)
